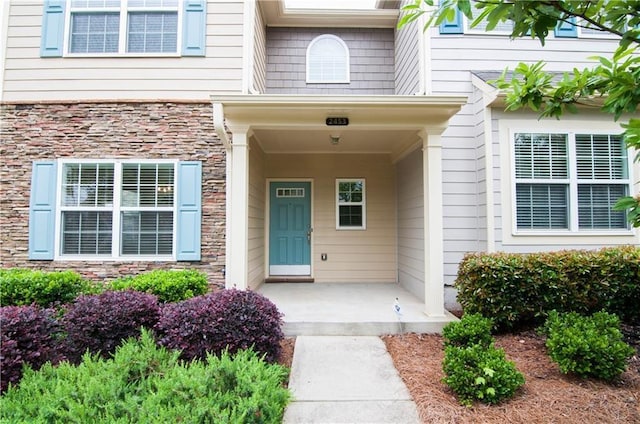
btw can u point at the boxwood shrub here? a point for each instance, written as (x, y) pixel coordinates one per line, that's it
(226, 320)
(479, 373)
(143, 383)
(167, 285)
(472, 329)
(588, 346)
(29, 335)
(519, 290)
(26, 286)
(100, 323)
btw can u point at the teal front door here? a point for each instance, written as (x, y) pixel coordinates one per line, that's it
(290, 228)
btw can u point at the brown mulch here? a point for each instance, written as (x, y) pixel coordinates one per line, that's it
(286, 351)
(548, 396)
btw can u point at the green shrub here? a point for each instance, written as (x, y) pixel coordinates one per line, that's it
(519, 290)
(167, 285)
(20, 287)
(480, 373)
(587, 346)
(147, 384)
(472, 329)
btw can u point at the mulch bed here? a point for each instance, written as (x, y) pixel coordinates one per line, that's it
(548, 396)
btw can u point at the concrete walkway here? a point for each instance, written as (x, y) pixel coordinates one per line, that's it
(346, 379)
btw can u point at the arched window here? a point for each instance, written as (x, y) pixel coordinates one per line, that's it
(327, 60)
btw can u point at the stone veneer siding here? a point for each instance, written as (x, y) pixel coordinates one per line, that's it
(161, 130)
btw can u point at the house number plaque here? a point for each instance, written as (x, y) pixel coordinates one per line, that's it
(337, 121)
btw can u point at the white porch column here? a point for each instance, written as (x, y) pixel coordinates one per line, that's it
(433, 232)
(238, 210)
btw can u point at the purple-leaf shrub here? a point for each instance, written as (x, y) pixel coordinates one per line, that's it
(28, 335)
(226, 320)
(100, 323)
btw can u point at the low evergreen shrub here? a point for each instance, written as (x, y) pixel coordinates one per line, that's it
(167, 285)
(518, 290)
(25, 287)
(99, 323)
(587, 346)
(144, 383)
(226, 320)
(480, 373)
(29, 335)
(472, 329)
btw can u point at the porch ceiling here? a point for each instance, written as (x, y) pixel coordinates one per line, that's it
(377, 124)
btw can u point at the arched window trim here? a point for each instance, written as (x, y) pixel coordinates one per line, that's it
(346, 77)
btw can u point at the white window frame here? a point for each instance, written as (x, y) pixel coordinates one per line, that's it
(123, 34)
(363, 203)
(116, 209)
(511, 235)
(345, 78)
(596, 34)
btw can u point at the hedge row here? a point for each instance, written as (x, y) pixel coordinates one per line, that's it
(518, 290)
(55, 288)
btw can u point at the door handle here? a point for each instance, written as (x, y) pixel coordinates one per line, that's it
(309, 231)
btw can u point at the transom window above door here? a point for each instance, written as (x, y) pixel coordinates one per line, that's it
(327, 60)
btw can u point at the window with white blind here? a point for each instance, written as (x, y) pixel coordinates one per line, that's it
(117, 209)
(127, 26)
(327, 60)
(569, 181)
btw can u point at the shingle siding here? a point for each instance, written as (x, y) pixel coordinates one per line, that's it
(371, 59)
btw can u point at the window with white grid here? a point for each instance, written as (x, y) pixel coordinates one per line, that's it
(351, 204)
(569, 181)
(327, 60)
(127, 26)
(117, 209)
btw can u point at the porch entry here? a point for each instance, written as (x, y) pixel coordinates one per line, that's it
(290, 228)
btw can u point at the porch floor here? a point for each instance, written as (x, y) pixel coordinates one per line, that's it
(350, 309)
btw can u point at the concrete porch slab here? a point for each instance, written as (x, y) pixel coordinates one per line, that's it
(350, 309)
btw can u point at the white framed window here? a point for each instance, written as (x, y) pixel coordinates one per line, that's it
(586, 30)
(117, 209)
(565, 181)
(98, 27)
(328, 60)
(351, 211)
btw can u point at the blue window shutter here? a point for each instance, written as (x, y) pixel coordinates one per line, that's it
(194, 28)
(453, 27)
(189, 211)
(52, 37)
(42, 210)
(567, 29)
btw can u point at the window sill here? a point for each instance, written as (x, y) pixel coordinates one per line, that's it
(120, 55)
(95, 258)
(568, 239)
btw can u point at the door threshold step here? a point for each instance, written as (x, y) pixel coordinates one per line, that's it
(288, 279)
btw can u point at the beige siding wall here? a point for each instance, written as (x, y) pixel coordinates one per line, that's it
(256, 243)
(29, 77)
(353, 256)
(452, 59)
(260, 52)
(407, 58)
(411, 223)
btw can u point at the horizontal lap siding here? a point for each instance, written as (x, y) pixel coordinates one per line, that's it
(353, 255)
(371, 61)
(257, 201)
(29, 77)
(464, 177)
(411, 270)
(407, 58)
